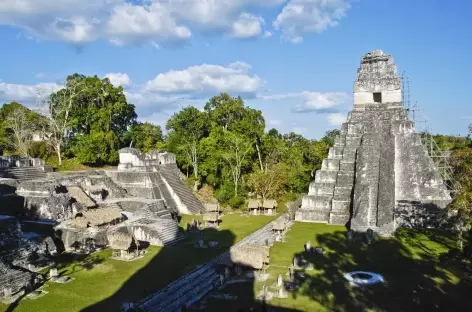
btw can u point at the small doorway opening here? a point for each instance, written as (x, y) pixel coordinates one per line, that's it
(377, 97)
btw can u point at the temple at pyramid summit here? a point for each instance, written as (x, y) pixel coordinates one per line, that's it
(378, 174)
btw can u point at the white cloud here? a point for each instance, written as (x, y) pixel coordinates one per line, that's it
(336, 119)
(25, 93)
(130, 23)
(247, 26)
(39, 75)
(68, 20)
(267, 34)
(124, 22)
(119, 79)
(309, 16)
(312, 101)
(207, 78)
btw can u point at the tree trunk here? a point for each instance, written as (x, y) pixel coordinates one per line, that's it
(259, 156)
(58, 151)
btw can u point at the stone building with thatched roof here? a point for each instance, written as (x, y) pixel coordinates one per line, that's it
(211, 219)
(253, 206)
(123, 244)
(269, 206)
(250, 255)
(212, 207)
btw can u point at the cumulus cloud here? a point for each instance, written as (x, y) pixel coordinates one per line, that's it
(119, 79)
(123, 22)
(336, 119)
(206, 78)
(309, 16)
(130, 23)
(247, 26)
(318, 102)
(25, 93)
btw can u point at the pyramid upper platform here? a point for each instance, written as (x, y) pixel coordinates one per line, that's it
(377, 80)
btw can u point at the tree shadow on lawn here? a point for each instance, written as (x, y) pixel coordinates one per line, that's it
(412, 282)
(167, 265)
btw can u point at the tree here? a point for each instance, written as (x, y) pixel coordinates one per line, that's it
(269, 183)
(21, 126)
(272, 148)
(236, 149)
(186, 129)
(97, 148)
(58, 111)
(101, 107)
(88, 106)
(145, 136)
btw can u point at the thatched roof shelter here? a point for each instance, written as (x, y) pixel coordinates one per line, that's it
(97, 217)
(212, 207)
(250, 255)
(120, 239)
(269, 204)
(254, 204)
(211, 217)
(279, 225)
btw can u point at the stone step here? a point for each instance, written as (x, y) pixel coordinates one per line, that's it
(316, 202)
(330, 164)
(335, 152)
(338, 218)
(326, 176)
(340, 206)
(310, 215)
(342, 193)
(322, 188)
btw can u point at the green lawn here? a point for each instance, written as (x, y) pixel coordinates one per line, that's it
(416, 278)
(103, 284)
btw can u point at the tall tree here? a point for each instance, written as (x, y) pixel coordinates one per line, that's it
(21, 126)
(186, 129)
(145, 136)
(58, 110)
(236, 149)
(269, 183)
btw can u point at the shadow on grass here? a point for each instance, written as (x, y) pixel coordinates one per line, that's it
(415, 277)
(246, 299)
(413, 282)
(167, 265)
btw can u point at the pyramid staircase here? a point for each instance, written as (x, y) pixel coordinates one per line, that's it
(24, 173)
(168, 176)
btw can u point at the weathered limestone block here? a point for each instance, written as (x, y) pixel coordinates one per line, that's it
(335, 152)
(324, 176)
(330, 164)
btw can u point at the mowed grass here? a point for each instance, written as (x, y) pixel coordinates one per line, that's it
(103, 284)
(417, 276)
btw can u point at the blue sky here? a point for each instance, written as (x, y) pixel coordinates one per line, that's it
(289, 58)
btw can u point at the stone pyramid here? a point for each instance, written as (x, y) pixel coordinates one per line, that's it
(378, 174)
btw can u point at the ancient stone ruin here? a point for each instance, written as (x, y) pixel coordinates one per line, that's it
(155, 175)
(378, 174)
(43, 213)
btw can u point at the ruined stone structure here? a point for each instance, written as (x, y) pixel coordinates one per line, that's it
(155, 175)
(378, 165)
(23, 168)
